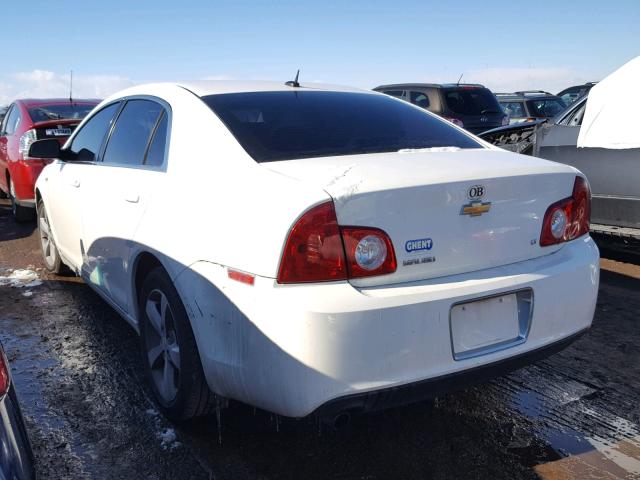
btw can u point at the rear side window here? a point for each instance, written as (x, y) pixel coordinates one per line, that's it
(471, 101)
(130, 137)
(298, 124)
(514, 109)
(419, 99)
(12, 120)
(574, 119)
(155, 155)
(86, 144)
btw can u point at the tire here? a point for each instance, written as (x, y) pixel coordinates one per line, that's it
(50, 255)
(20, 214)
(169, 351)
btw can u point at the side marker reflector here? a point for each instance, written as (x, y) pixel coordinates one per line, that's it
(241, 276)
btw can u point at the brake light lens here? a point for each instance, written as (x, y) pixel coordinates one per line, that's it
(26, 140)
(4, 374)
(315, 250)
(569, 218)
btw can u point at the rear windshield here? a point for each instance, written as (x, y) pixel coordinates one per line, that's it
(548, 107)
(471, 101)
(60, 112)
(298, 124)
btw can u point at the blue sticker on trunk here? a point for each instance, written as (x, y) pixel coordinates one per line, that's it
(418, 245)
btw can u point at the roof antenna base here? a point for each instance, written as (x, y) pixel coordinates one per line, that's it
(294, 83)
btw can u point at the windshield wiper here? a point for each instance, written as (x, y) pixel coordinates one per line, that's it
(482, 112)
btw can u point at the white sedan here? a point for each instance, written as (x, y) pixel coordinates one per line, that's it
(315, 249)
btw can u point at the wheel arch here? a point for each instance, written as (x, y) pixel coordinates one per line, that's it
(144, 262)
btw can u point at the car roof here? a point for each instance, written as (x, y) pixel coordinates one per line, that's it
(430, 85)
(216, 87)
(40, 102)
(213, 87)
(522, 96)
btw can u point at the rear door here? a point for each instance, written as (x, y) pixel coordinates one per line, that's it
(118, 192)
(612, 174)
(3, 151)
(7, 143)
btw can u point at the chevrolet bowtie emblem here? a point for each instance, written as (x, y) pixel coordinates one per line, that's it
(475, 208)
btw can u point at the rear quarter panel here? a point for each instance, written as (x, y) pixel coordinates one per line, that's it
(214, 202)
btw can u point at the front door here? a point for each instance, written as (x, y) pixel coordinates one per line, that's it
(66, 190)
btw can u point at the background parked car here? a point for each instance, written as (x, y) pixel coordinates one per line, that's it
(612, 173)
(571, 94)
(470, 106)
(16, 457)
(530, 105)
(26, 121)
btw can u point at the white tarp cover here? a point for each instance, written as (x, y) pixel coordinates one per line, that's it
(611, 117)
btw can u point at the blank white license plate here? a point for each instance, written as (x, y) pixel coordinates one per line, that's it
(478, 326)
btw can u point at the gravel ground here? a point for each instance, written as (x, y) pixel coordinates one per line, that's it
(77, 370)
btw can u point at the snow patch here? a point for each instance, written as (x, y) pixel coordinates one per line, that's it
(20, 278)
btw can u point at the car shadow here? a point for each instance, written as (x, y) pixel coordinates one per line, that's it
(9, 228)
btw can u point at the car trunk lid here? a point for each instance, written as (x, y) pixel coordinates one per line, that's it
(426, 202)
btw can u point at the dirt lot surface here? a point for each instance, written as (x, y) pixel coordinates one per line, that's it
(76, 367)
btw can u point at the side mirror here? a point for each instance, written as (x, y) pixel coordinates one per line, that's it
(48, 148)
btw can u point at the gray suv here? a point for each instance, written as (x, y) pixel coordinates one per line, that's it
(471, 106)
(529, 105)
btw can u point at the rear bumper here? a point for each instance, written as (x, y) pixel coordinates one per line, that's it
(434, 387)
(294, 349)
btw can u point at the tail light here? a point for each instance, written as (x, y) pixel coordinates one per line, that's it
(4, 374)
(455, 121)
(314, 251)
(568, 218)
(319, 250)
(369, 252)
(26, 140)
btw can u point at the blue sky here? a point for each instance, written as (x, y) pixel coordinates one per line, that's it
(504, 44)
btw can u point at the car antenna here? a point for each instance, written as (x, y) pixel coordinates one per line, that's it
(460, 78)
(71, 86)
(294, 83)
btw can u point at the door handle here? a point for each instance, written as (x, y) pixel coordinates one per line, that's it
(132, 198)
(74, 182)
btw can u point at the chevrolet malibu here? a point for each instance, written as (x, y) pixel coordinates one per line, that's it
(310, 249)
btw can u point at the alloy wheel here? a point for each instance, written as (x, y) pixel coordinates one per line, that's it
(162, 349)
(46, 243)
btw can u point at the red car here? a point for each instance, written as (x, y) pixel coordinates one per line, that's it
(25, 122)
